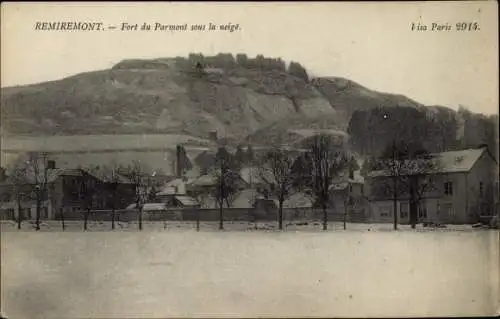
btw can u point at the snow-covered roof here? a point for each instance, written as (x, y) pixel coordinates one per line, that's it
(205, 180)
(459, 161)
(170, 190)
(187, 200)
(174, 183)
(339, 186)
(448, 162)
(245, 198)
(149, 206)
(344, 181)
(298, 200)
(253, 175)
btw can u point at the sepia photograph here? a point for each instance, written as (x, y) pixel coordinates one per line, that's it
(249, 160)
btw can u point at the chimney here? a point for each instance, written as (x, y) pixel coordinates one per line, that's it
(51, 164)
(3, 175)
(178, 161)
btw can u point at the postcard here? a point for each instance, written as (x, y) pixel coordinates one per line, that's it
(253, 159)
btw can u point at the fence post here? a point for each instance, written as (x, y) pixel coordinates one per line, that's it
(61, 214)
(164, 220)
(197, 220)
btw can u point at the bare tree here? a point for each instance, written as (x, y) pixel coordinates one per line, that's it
(18, 180)
(278, 177)
(87, 193)
(36, 166)
(110, 179)
(347, 205)
(327, 160)
(226, 182)
(113, 189)
(136, 174)
(420, 168)
(409, 169)
(390, 162)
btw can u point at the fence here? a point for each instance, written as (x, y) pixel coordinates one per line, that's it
(213, 214)
(190, 216)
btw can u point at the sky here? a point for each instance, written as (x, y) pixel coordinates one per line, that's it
(369, 43)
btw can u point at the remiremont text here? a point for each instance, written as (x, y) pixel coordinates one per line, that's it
(69, 26)
(126, 26)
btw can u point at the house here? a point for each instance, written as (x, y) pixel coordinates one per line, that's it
(348, 191)
(175, 195)
(115, 190)
(462, 189)
(168, 201)
(257, 178)
(66, 192)
(63, 191)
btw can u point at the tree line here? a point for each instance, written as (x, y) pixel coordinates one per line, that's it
(228, 61)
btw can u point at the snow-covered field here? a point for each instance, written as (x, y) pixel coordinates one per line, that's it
(178, 272)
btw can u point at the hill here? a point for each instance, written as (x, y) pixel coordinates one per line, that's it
(160, 96)
(258, 100)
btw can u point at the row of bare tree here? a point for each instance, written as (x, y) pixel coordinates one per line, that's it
(31, 180)
(407, 167)
(283, 173)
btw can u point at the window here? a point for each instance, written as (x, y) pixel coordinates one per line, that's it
(448, 188)
(450, 211)
(481, 189)
(45, 212)
(5, 197)
(447, 210)
(385, 213)
(10, 213)
(403, 210)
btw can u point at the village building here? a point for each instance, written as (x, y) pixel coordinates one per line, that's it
(347, 195)
(62, 191)
(464, 188)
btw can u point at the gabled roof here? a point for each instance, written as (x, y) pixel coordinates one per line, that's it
(447, 162)
(459, 161)
(187, 200)
(255, 175)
